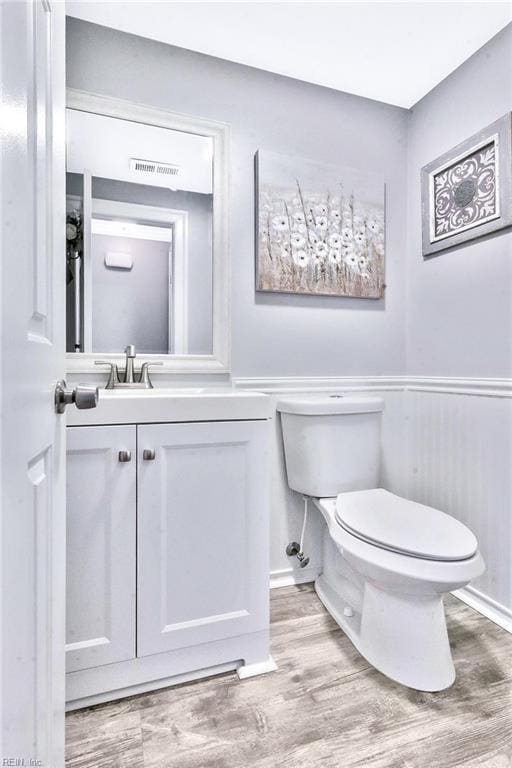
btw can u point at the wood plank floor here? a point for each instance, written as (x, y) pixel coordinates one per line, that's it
(325, 707)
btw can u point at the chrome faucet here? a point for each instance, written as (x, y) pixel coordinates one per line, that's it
(130, 379)
(128, 371)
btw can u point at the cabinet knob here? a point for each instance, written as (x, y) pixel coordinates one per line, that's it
(125, 456)
(148, 454)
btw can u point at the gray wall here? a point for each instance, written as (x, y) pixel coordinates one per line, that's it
(271, 334)
(459, 315)
(130, 306)
(448, 450)
(459, 324)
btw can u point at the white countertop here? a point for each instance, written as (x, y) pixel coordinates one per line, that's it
(143, 406)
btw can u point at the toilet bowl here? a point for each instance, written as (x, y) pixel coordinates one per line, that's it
(389, 602)
(387, 561)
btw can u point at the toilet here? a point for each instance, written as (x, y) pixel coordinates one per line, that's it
(387, 561)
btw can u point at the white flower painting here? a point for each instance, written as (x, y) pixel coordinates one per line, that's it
(320, 228)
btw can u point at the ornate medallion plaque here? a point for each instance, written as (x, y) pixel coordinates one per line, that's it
(467, 191)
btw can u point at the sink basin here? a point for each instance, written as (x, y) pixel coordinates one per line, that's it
(167, 404)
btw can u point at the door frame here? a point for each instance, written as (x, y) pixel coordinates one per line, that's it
(178, 262)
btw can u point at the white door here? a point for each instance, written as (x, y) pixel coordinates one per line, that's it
(32, 359)
(100, 546)
(203, 533)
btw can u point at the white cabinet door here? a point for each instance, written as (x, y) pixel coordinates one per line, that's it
(101, 541)
(203, 533)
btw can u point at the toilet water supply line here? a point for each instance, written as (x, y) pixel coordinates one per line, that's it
(296, 549)
(304, 523)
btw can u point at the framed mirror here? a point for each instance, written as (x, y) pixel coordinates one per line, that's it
(147, 258)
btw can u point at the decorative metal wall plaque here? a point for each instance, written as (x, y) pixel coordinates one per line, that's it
(467, 192)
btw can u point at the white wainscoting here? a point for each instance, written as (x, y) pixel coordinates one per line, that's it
(459, 458)
(446, 442)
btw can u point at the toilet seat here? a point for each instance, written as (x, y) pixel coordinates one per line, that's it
(393, 523)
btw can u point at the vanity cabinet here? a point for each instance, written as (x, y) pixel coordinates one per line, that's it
(167, 554)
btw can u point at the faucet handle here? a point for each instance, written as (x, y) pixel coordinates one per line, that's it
(113, 378)
(130, 351)
(144, 373)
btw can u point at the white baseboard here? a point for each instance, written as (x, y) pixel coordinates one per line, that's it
(486, 606)
(287, 577)
(260, 668)
(150, 686)
(497, 613)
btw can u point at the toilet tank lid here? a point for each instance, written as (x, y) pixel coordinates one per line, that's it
(321, 404)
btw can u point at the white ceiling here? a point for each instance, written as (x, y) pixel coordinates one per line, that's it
(390, 51)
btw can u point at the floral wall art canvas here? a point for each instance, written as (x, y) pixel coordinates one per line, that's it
(320, 228)
(466, 193)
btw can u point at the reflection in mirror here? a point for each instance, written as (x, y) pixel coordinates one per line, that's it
(139, 237)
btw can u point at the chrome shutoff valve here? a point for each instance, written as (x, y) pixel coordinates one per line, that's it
(293, 550)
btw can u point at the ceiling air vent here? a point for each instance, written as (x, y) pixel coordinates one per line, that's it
(151, 166)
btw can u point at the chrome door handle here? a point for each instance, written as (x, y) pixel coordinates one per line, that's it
(125, 456)
(83, 396)
(148, 454)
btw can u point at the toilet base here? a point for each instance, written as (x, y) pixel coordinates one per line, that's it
(403, 637)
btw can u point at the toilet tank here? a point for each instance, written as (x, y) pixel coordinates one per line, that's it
(331, 442)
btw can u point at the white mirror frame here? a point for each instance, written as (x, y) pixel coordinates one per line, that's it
(219, 360)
